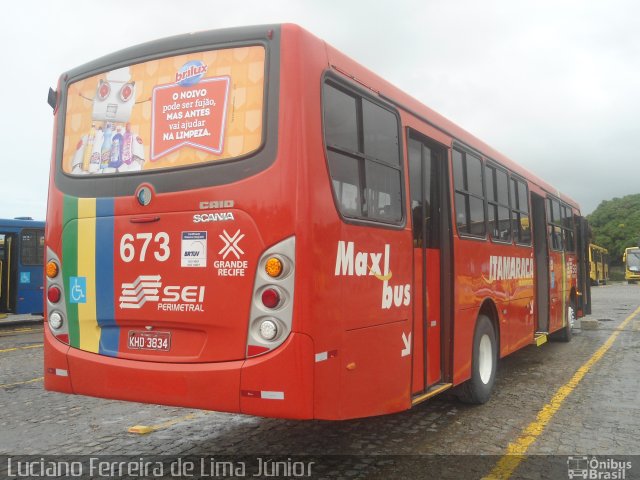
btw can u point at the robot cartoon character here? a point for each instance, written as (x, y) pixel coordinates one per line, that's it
(111, 146)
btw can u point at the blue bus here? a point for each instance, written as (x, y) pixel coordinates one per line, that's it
(21, 265)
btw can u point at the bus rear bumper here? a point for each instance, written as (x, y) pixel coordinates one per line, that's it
(277, 384)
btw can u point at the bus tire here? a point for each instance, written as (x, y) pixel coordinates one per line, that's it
(566, 333)
(478, 388)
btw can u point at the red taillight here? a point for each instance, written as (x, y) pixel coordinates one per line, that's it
(270, 298)
(54, 294)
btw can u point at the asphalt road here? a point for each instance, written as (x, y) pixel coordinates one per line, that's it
(559, 406)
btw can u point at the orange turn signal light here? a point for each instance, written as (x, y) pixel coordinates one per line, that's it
(52, 269)
(273, 267)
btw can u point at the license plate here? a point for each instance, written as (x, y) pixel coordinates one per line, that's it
(159, 341)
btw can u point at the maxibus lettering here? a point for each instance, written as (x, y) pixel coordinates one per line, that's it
(349, 263)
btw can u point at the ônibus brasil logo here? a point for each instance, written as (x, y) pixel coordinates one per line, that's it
(190, 73)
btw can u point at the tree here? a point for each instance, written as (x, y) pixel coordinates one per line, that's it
(616, 225)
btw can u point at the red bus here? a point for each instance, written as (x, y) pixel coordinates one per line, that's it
(247, 220)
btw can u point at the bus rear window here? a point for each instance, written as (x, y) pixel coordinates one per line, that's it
(166, 113)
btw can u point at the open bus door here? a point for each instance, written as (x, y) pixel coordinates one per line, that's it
(7, 272)
(431, 329)
(584, 281)
(541, 254)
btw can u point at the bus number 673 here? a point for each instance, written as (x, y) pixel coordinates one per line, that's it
(128, 242)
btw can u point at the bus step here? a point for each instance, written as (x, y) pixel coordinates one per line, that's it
(431, 392)
(539, 338)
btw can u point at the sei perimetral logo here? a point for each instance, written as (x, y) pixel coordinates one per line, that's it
(170, 298)
(594, 468)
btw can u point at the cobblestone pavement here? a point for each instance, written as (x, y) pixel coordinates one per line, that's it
(600, 417)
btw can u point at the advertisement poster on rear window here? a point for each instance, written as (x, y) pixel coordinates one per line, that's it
(166, 113)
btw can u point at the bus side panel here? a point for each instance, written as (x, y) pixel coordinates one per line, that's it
(29, 301)
(566, 280)
(318, 307)
(472, 285)
(517, 320)
(56, 372)
(556, 291)
(30, 290)
(280, 384)
(498, 273)
(465, 321)
(375, 371)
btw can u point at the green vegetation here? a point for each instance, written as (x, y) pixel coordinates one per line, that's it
(616, 225)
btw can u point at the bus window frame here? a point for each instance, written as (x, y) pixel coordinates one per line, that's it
(209, 174)
(553, 223)
(39, 233)
(492, 164)
(558, 223)
(515, 208)
(461, 147)
(328, 77)
(565, 207)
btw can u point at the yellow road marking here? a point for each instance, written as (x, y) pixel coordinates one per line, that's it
(516, 450)
(36, 345)
(9, 385)
(6, 333)
(144, 429)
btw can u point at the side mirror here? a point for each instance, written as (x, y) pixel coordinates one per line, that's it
(52, 99)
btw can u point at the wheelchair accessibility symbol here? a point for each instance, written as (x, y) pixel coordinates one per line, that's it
(78, 290)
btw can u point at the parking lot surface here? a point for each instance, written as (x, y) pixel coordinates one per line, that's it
(558, 424)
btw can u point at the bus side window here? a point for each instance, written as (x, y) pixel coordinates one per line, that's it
(554, 223)
(520, 211)
(31, 250)
(498, 204)
(567, 229)
(469, 199)
(363, 153)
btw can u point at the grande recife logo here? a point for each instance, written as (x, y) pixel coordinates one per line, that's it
(190, 112)
(190, 73)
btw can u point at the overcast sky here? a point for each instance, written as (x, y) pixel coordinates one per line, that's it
(554, 85)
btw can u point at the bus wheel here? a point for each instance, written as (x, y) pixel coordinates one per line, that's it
(565, 334)
(483, 365)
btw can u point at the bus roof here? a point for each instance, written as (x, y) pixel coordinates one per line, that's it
(20, 222)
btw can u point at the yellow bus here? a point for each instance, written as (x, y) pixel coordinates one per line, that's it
(598, 264)
(631, 259)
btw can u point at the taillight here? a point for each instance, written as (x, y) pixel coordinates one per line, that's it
(52, 269)
(271, 314)
(270, 298)
(54, 294)
(56, 320)
(273, 266)
(268, 329)
(56, 306)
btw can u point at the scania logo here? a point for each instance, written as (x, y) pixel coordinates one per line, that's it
(213, 217)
